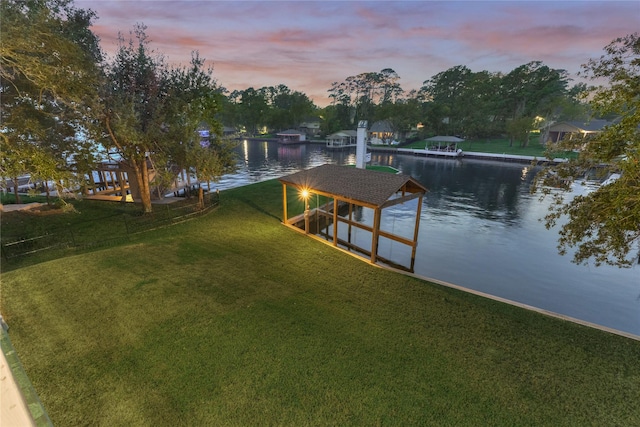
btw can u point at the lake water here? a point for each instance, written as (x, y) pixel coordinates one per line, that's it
(479, 229)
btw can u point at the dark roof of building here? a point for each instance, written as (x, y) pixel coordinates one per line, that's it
(381, 126)
(312, 119)
(345, 133)
(444, 138)
(589, 126)
(290, 132)
(368, 187)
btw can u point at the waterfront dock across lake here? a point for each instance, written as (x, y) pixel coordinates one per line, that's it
(472, 155)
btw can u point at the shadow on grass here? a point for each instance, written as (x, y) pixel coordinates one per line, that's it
(258, 208)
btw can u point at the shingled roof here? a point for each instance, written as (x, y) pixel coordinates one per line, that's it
(367, 187)
(595, 125)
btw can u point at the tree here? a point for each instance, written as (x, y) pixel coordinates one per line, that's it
(569, 107)
(389, 88)
(194, 101)
(210, 163)
(48, 72)
(152, 113)
(252, 108)
(479, 118)
(461, 102)
(134, 94)
(361, 94)
(448, 89)
(285, 108)
(603, 224)
(228, 113)
(402, 114)
(335, 118)
(532, 90)
(519, 128)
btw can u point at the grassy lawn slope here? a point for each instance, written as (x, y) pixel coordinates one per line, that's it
(234, 319)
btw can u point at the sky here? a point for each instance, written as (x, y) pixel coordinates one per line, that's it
(308, 45)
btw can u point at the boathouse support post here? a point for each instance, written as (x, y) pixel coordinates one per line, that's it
(335, 222)
(415, 233)
(376, 235)
(306, 214)
(284, 203)
(350, 219)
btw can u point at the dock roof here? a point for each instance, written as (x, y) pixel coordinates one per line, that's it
(365, 187)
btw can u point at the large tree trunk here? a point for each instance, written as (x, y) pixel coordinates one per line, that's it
(200, 198)
(544, 135)
(146, 194)
(142, 178)
(123, 190)
(187, 190)
(47, 192)
(59, 188)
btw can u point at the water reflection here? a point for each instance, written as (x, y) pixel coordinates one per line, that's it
(476, 187)
(479, 229)
(263, 160)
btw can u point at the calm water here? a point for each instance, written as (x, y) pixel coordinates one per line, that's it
(479, 229)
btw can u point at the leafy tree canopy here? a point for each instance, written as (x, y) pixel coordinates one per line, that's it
(152, 113)
(48, 72)
(604, 225)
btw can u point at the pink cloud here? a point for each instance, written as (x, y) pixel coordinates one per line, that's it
(308, 45)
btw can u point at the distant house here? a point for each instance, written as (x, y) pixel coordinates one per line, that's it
(342, 139)
(228, 130)
(291, 136)
(575, 129)
(382, 132)
(311, 126)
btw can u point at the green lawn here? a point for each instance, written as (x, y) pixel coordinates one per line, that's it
(234, 319)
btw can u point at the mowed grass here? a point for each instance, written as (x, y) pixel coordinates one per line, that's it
(234, 319)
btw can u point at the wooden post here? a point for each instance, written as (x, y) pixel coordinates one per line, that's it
(415, 233)
(335, 222)
(306, 214)
(350, 219)
(284, 203)
(376, 235)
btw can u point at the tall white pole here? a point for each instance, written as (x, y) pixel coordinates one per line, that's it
(361, 145)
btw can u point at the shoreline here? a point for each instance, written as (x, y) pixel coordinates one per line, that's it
(477, 155)
(499, 157)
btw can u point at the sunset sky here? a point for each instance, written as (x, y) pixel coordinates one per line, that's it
(307, 45)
